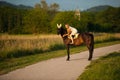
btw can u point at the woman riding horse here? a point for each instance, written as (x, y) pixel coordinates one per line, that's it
(86, 38)
(71, 31)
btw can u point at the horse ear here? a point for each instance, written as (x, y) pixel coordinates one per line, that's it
(59, 26)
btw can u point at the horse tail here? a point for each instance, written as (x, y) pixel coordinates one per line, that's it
(91, 47)
(92, 43)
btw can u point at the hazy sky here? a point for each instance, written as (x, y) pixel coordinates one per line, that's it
(69, 4)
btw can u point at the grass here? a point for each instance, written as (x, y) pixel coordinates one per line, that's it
(22, 45)
(14, 46)
(22, 50)
(8, 65)
(105, 68)
(103, 37)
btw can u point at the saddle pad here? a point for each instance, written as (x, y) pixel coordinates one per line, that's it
(75, 36)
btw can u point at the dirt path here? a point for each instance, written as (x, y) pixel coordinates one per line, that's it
(58, 68)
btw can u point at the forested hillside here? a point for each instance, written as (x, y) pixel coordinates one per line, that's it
(98, 8)
(42, 19)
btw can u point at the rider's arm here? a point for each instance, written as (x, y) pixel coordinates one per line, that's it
(68, 32)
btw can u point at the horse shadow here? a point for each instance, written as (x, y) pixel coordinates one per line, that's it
(85, 58)
(111, 55)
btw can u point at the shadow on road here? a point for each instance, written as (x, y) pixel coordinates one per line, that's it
(85, 58)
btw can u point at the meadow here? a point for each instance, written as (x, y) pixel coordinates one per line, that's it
(23, 45)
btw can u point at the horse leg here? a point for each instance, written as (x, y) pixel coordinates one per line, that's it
(90, 52)
(90, 47)
(68, 52)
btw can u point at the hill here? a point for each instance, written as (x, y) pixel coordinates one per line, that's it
(7, 4)
(98, 8)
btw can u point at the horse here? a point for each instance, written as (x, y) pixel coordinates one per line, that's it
(86, 38)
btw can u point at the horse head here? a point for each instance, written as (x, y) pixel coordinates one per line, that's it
(59, 28)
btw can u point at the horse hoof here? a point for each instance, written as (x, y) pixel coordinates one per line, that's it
(89, 59)
(67, 60)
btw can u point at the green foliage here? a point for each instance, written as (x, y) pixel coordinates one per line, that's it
(65, 17)
(11, 20)
(86, 22)
(109, 20)
(36, 21)
(105, 68)
(43, 19)
(56, 47)
(18, 21)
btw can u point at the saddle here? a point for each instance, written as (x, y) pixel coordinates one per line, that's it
(74, 36)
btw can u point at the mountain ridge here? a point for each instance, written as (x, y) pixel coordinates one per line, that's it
(7, 4)
(98, 8)
(21, 6)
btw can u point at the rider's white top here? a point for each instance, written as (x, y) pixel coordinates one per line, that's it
(74, 30)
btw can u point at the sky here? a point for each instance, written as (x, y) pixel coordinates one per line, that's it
(69, 4)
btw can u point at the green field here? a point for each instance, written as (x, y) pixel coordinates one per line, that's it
(105, 68)
(22, 50)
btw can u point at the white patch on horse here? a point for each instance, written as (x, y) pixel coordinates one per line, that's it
(59, 26)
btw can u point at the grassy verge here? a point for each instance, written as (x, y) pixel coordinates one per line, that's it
(105, 68)
(8, 65)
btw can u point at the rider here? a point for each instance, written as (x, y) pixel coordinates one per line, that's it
(71, 31)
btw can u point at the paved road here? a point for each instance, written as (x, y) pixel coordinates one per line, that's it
(58, 68)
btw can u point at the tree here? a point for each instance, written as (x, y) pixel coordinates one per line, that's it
(87, 22)
(64, 18)
(54, 7)
(44, 5)
(11, 20)
(36, 21)
(37, 5)
(109, 20)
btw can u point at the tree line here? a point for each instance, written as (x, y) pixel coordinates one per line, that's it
(42, 19)
(103, 21)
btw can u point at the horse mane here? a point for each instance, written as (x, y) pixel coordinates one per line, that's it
(63, 30)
